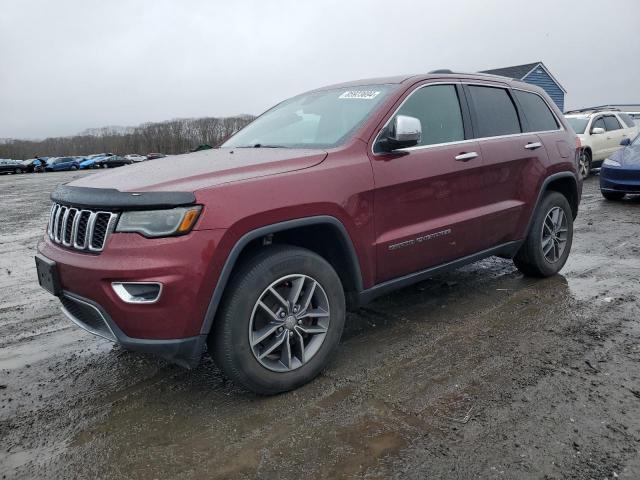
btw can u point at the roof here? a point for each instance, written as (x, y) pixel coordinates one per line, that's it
(521, 71)
(517, 71)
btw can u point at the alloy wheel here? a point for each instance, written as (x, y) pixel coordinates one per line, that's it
(289, 323)
(584, 165)
(554, 234)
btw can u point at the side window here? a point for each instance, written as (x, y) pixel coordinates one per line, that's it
(599, 123)
(539, 117)
(494, 111)
(612, 123)
(627, 120)
(438, 109)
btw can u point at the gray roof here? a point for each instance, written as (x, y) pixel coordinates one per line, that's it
(517, 71)
(520, 71)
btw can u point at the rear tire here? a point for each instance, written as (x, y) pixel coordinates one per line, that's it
(612, 195)
(585, 164)
(546, 248)
(305, 318)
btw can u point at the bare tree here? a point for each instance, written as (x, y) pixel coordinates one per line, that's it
(172, 136)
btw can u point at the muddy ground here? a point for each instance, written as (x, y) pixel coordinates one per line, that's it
(479, 373)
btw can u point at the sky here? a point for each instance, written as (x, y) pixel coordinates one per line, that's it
(69, 65)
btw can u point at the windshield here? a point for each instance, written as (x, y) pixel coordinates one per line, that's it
(312, 120)
(579, 124)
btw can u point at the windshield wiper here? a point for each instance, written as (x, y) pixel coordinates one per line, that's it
(261, 145)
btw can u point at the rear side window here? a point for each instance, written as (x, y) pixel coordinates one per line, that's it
(438, 109)
(612, 123)
(627, 120)
(537, 113)
(495, 112)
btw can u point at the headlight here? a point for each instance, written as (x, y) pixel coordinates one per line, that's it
(159, 223)
(611, 163)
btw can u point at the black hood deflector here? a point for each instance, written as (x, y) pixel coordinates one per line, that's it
(115, 200)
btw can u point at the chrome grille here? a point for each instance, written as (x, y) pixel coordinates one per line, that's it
(80, 229)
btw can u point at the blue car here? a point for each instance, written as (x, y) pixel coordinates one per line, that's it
(92, 161)
(620, 173)
(61, 163)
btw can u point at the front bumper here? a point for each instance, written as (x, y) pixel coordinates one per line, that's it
(90, 316)
(620, 180)
(169, 327)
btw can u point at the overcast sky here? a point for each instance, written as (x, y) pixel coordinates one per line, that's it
(68, 65)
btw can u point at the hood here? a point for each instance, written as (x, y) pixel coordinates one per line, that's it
(207, 168)
(629, 157)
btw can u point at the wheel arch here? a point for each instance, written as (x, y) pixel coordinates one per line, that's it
(311, 233)
(565, 183)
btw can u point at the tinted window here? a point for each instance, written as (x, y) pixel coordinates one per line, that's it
(438, 109)
(494, 110)
(627, 119)
(599, 123)
(612, 123)
(539, 117)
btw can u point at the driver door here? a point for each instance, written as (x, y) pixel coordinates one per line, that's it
(423, 194)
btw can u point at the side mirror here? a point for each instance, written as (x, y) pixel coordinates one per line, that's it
(597, 131)
(625, 141)
(403, 132)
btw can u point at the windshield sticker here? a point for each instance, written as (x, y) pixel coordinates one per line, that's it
(360, 94)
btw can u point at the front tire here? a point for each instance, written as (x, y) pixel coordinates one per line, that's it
(280, 320)
(546, 248)
(612, 195)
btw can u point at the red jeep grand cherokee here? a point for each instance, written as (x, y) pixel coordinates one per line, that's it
(328, 200)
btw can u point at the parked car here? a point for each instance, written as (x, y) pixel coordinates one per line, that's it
(92, 160)
(134, 157)
(325, 202)
(600, 133)
(34, 165)
(620, 172)
(12, 166)
(113, 161)
(58, 164)
(153, 156)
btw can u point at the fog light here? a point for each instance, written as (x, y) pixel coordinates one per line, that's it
(137, 292)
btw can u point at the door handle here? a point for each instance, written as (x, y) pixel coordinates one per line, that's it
(465, 157)
(532, 145)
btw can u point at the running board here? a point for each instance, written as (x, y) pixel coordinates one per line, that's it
(508, 250)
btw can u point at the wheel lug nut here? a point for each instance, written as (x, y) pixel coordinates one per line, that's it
(299, 322)
(282, 314)
(291, 333)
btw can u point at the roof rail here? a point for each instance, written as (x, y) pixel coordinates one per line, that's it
(594, 109)
(441, 70)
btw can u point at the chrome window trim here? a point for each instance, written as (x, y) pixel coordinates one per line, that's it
(469, 140)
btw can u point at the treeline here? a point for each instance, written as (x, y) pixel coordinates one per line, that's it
(171, 137)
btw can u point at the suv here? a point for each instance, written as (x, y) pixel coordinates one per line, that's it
(330, 199)
(600, 133)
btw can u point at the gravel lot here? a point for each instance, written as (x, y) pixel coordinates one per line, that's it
(476, 374)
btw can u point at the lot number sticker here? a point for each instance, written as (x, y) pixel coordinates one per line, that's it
(360, 94)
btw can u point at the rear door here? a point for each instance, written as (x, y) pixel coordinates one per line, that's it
(511, 158)
(615, 133)
(426, 196)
